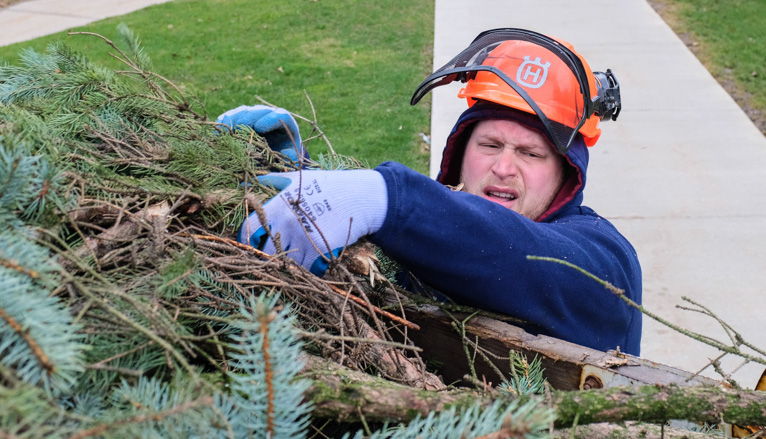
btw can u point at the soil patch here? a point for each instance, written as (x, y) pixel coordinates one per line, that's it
(669, 13)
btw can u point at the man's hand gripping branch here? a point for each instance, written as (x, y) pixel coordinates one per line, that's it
(317, 214)
(276, 125)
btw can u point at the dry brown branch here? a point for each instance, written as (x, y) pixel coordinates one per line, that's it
(292, 266)
(395, 364)
(314, 124)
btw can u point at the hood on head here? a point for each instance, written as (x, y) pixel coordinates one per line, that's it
(452, 157)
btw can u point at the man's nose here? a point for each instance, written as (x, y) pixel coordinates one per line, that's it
(506, 163)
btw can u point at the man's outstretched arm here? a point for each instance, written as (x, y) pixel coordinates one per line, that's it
(475, 252)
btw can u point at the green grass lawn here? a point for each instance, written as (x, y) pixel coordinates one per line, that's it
(358, 62)
(729, 37)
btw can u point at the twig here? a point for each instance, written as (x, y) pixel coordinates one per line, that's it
(265, 317)
(621, 293)
(14, 265)
(120, 355)
(460, 328)
(314, 124)
(144, 74)
(294, 267)
(705, 311)
(151, 335)
(158, 416)
(31, 342)
(295, 205)
(322, 336)
(710, 363)
(121, 370)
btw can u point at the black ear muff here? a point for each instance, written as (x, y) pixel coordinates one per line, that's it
(608, 104)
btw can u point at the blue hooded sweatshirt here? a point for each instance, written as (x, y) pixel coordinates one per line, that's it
(475, 251)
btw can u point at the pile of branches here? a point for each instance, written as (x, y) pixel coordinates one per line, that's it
(120, 206)
(128, 308)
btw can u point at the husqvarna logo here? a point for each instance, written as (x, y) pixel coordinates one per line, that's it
(532, 74)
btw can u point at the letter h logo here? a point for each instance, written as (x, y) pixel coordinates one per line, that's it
(532, 74)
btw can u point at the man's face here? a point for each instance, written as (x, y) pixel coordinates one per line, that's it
(512, 165)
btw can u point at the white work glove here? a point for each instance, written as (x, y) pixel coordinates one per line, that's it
(335, 209)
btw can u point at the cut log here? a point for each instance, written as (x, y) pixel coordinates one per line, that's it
(340, 393)
(346, 395)
(568, 366)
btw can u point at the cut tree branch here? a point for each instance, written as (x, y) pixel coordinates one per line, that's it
(344, 394)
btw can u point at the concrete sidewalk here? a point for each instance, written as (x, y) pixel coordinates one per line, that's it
(681, 173)
(36, 18)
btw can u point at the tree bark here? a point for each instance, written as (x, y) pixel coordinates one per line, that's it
(343, 394)
(348, 395)
(661, 403)
(627, 431)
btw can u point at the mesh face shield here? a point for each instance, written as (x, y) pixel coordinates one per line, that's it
(536, 74)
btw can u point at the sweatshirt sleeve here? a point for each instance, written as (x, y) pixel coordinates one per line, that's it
(475, 252)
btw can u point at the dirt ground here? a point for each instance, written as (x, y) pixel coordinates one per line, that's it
(743, 98)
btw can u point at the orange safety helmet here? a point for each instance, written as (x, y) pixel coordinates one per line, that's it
(536, 74)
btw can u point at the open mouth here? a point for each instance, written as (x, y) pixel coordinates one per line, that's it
(501, 197)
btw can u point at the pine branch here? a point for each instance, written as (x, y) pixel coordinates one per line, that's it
(500, 420)
(27, 411)
(526, 378)
(33, 345)
(267, 362)
(183, 361)
(39, 338)
(14, 265)
(139, 419)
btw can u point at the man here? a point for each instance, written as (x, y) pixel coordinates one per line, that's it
(517, 159)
